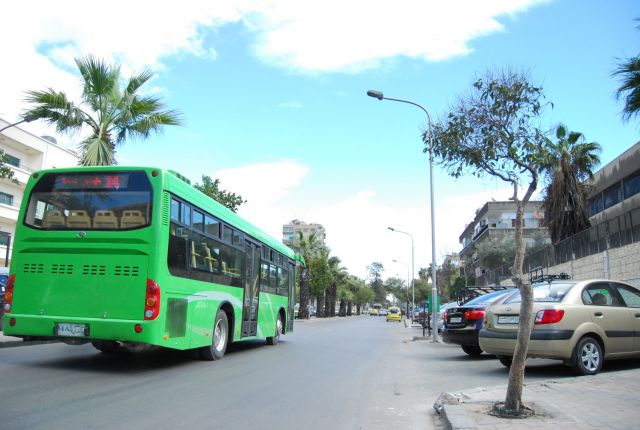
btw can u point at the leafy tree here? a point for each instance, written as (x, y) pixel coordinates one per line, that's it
(398, 288)
(493, 131)
(211, 187)
(363, 296)
(495, 252)
(375, 270)
(308, 247)
(628, 71)
(568, 163)
(6, 172)
(111, 113)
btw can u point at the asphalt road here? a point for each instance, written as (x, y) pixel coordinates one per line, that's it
(342, 373)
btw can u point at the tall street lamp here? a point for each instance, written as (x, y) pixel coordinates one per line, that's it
(434, 291)
(408, 282)
(413, 288)
(16, 123)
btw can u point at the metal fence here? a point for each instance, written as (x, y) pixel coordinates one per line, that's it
(614, 233)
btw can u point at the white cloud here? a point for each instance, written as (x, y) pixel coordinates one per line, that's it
(332, 35)
(291, 105)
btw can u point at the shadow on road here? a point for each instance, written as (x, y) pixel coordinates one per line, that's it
(123, 362)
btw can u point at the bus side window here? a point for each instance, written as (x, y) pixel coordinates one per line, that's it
(176, 256)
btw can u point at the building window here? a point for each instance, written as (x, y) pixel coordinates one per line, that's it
(632, 185)
(612, 195)
(595, 205)
(6, 199)
(4, 238)
(10, 159)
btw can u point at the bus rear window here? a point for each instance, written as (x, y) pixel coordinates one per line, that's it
(90, 201)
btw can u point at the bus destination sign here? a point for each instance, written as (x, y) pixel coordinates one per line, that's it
(92, 182)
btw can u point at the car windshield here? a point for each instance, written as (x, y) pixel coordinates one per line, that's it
(90, 201)
(487, 299)
(553, 292)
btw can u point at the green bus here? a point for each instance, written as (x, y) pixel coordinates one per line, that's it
(133, 257)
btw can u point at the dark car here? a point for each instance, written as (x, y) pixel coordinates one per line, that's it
(463, 323)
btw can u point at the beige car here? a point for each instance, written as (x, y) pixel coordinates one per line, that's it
(582, 323)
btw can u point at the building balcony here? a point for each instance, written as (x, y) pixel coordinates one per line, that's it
(8, 214)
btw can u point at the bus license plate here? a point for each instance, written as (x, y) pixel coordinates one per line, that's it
(72, 330)
(508, 319)
(455, 320)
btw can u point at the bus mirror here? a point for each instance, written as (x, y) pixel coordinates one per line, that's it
(182, 232)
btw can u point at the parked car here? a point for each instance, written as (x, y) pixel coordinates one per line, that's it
(394, 314)
(373, 312)
(463, 323)
(383, 312)
(421, 314)
(442, 311)
(581, 323)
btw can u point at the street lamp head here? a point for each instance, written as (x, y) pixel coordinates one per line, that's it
(391, 228)
(375, 94)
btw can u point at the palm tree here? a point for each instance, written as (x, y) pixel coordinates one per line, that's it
(338, 275)
(567, 164)
(629, 72)
(111, 113)
(308, 247)
(320, 279)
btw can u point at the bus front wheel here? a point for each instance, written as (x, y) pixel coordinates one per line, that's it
(218, 346)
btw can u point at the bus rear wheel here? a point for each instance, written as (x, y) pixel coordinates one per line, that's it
(273, 340)
(219, 340)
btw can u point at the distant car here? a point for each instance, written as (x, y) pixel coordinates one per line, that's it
(373, 312)
(383, 312)
(581, 323)
(394, 314)
(421, 314)
(463, 323)
(312, 311)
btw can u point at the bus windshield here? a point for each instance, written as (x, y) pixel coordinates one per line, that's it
(90, 201)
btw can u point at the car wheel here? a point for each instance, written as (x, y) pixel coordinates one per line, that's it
(472, 350)
(273, 340)
(587, 357)
(218, 346)
(106, 346)
(505, 361)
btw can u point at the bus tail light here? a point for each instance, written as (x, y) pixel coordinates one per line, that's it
(549, 316)
(152, 300)
(8, 294)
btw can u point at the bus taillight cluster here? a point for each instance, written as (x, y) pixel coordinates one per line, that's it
(152, 300)
(8, 295)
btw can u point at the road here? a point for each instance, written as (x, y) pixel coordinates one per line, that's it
(342, 373)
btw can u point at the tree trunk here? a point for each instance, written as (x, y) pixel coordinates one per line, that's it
(333, 291)
(349, 307)
(513, 400)
(320, 306)
(327, 303)
(343, 309)
(303, 312)
(358, 309)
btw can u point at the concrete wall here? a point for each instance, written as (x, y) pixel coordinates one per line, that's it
(620, 264)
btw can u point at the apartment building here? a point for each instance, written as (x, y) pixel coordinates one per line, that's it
(497, 220)
(25, 153)
(290, 231)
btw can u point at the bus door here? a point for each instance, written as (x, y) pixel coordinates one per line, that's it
(251, 290)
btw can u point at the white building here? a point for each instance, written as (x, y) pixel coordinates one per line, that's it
(26, 153)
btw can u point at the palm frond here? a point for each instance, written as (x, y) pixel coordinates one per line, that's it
(55, 109)
(96, 152)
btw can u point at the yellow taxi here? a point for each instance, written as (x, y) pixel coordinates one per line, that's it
(394, 314)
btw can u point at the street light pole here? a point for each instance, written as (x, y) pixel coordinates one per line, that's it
(408, 283)
(16, 123)
(434, 291)
(413, 288)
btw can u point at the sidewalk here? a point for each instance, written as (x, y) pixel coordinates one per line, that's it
(603, 401)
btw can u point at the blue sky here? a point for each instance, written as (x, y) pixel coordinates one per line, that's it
(274, 98)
